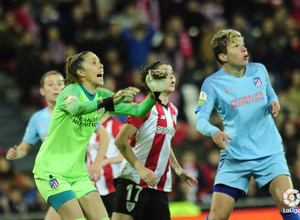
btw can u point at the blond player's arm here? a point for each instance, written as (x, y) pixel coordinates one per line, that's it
(18, 152)
(126, 132)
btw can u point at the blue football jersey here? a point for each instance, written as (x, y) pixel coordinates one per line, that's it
(37, 127)
(242, 103)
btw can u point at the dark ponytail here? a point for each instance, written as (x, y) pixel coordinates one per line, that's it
(73, 63)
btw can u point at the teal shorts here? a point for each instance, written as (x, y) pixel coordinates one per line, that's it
(237, 173)
(58, 185)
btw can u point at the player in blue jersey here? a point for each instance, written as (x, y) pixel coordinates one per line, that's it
(52, 82)
(250, 144)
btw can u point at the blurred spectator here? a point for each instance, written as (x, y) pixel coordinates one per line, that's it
(87, 6)
(12, 186)
(293, 49)
(129, 16)
(32, 197)
(269, 50)
(116, 69)
(213, 10)
(10, 177)
(108, 6)
(89, 41)
(294, 7)
(189, 163)
(71, 50)
(114, 40)
(280, 17)
(175, 25)
(138, 40)
(56, 45)
(101, 23)
(194, 21)
(209, 170)
(48, 16)
(4, 202)
(152, 10)
(295, 172)
(10, 34)
(289, 136)
(170, 8)
(240, 23)
(190, 94)
(170, 52)
(28, 71)
(74, 25)
(206, 57)
(26, 17)
(45, 62)
(193, 78)
(293, 92)
(16, 201)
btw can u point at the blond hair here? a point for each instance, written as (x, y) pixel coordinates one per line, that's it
(221, 39)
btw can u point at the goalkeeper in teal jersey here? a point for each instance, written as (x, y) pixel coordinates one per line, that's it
(59, 169)
(250, 144)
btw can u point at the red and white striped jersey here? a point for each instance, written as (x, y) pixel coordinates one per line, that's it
(152, 145)
(105, 184)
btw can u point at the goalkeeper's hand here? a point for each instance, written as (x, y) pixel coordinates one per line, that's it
(156, 80)
(125, 95)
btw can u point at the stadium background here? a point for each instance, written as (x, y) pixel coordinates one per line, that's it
(37, 36)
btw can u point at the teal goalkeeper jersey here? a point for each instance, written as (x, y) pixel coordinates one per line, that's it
(73, 122)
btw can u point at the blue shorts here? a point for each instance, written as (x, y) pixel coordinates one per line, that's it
(237, 173)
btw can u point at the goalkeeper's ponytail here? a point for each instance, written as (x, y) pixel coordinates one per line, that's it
(72, 64)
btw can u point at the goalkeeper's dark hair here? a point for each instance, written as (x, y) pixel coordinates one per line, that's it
(145, 70)
(73, 63)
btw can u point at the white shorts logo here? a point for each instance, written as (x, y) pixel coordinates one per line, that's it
(291, 197)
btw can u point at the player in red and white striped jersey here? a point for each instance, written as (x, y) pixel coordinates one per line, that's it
(145, 176)
(111, 162)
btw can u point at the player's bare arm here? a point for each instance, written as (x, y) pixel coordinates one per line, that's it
(116, 159)
(126, 132)
(18, 152)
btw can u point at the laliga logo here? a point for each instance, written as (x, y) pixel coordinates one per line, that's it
(291, 197)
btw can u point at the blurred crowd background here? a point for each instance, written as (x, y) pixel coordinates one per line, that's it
(38, 35)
